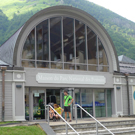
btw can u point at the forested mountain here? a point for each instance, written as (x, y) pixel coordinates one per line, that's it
(14, 13)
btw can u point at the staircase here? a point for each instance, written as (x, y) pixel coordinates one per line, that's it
(125, 127)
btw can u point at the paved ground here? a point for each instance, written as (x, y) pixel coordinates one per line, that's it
(48, 130)
(26, 123)
(91, 120)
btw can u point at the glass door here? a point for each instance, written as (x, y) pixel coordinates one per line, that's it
(87, 101)
(100, 107)
(38, 104)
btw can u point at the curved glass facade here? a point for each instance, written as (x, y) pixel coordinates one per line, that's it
(64, 43)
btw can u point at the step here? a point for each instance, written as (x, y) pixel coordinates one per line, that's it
(92, 124)
(90, 128)
(116, 131)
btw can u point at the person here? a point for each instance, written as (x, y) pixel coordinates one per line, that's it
(52, 114)
(68, 100)
(59, 110)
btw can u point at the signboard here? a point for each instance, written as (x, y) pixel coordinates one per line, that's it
(70, 79)
(36, 94)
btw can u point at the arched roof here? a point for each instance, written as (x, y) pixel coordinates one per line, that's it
(20, 36)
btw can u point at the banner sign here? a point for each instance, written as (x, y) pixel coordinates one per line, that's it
(70, 79)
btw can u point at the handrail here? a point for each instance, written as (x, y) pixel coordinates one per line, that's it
(94, 119)
(62, 119)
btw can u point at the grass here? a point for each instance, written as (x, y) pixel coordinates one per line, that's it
(22, 130)
(9, 7)
(7, 122)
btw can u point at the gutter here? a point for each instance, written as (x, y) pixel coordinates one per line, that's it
(3, 69)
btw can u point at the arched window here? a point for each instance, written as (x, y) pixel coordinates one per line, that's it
(64, 43)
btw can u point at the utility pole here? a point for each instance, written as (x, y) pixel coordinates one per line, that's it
(3, 69)
(126, 76)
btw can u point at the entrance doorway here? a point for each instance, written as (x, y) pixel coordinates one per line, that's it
(96, 101)
(53, 96)
(56, 96)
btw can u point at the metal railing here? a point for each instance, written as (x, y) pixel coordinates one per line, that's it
(97, 122)
(67, 124)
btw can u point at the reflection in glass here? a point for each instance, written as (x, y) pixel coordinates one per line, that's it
(92, 68)
(29, 46)
(69, 66)
(68, 39)
(103, 68)
(92, 46)
(100, 108)
(42, 64)
(80, 42)
(102, 54)
(38, 106)
(42, 41)
(81, 67)
(30, 64)
(53, 96)
(84, 97)
(56, 65)
(87, 101)
(55, 39)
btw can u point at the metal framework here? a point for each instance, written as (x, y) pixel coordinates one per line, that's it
(74, 44)
(97, 122)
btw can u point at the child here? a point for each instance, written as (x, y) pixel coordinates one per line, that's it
(59, 110)
(52, 114)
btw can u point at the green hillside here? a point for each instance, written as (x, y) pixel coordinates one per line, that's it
(14, 13)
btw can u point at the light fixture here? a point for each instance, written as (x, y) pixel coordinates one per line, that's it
(65, 40)
(118, 88)
(18, 86)
(81, 37)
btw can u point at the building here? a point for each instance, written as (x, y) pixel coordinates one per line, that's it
(62, 47)
(126, 65)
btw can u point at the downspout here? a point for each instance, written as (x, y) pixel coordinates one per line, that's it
(3, 69)
(127, 83)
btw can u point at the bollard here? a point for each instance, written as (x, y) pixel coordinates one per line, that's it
(66, 129)
(76, 113)
(48, 114)
(96, 128)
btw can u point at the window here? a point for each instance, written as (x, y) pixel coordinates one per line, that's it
(42, 41)
(29, 46)
(100, 107)
(64, 43)
(68, 43)
(92, 46)
(55, 39)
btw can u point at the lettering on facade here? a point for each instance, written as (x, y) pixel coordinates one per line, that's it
(69, 78)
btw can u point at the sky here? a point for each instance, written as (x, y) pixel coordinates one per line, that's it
(125, 8)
